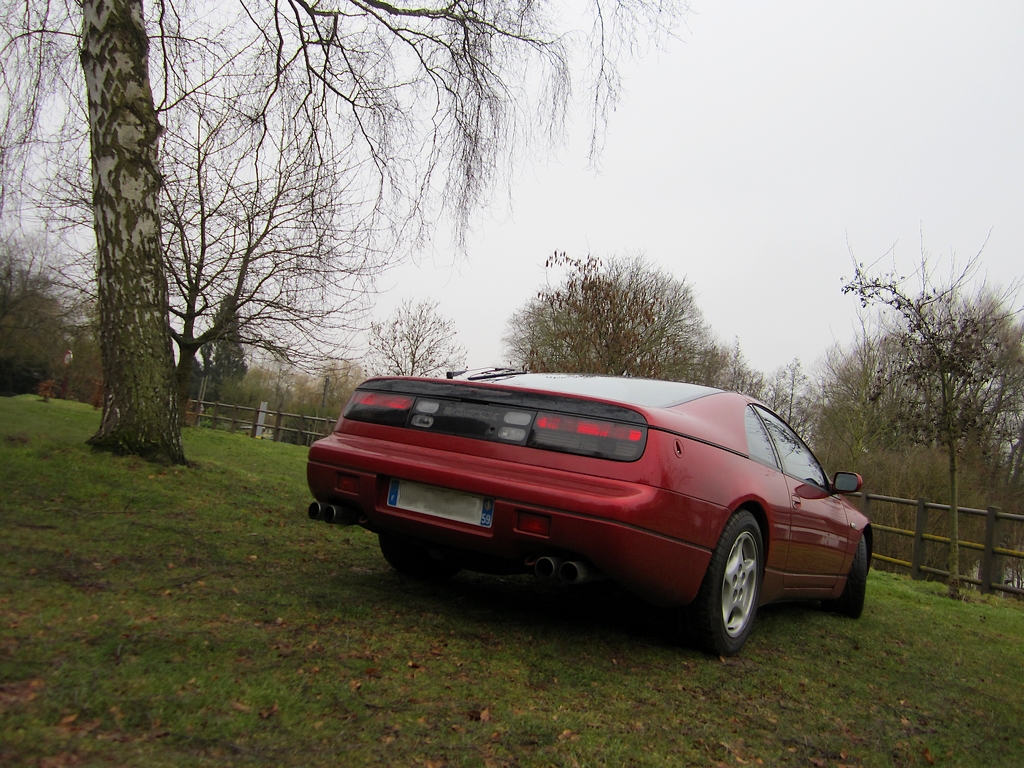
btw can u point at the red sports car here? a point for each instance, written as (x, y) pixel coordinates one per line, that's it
(691, 497)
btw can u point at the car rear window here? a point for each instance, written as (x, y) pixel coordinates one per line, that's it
(647, 393)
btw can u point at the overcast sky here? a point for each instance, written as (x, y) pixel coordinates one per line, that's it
(752, 151)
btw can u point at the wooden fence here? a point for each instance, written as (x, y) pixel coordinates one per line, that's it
(919, 546)
(278, 426)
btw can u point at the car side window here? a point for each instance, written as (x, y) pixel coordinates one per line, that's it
(797, 459)
(759, 445)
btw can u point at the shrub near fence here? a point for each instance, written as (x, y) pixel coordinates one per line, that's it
(909, 534)
(279, 426)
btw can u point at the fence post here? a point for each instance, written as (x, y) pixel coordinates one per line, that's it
(277, 427)
(989, 571)
(865, 502)
(234, 417)
(919, 530)
(302, 429)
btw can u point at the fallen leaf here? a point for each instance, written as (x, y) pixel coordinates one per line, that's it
(67, 726)
(928, 756)
(62, 760)
(354, 685)
(269, 711)
(485, 716)
(21, 692)
(240, 707)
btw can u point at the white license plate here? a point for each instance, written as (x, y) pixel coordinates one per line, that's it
(441, 502)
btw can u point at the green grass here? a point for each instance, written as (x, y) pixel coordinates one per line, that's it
(195, 616)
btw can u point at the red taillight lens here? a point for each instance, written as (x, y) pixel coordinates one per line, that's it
(384, 400)
(528, 522)
(379, 407)
(588, 437)
(347, 483)
(592, 428)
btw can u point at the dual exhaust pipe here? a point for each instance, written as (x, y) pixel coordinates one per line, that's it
(566, 571)
(335, 514)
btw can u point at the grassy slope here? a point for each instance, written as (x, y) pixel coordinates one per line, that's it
(197, 617)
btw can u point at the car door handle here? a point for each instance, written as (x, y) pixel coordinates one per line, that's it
(796, 502)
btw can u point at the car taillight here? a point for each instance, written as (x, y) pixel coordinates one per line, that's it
(529, 522)
(588, 437)
(379, 408)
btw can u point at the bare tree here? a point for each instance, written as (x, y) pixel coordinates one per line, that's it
(263, 247)
(727, 367)
(864, 399)
(623, 318)
(414, 341)
(955, 347)
(788, 392)
(427, 103)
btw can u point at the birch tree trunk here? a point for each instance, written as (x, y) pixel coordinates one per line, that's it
(139, 404)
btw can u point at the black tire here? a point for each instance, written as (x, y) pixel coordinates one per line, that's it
(722, 615)
(415, 561)
(851, 601)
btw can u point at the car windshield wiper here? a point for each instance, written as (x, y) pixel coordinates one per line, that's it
(486, 373)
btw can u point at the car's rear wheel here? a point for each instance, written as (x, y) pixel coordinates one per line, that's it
(414, 560)
(851, 601)
(723, 612)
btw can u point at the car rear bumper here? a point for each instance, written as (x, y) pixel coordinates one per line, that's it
(631, 532)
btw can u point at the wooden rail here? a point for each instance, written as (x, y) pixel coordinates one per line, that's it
(990, 572)
(278, 426)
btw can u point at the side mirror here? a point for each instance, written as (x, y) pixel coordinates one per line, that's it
(847, 482)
